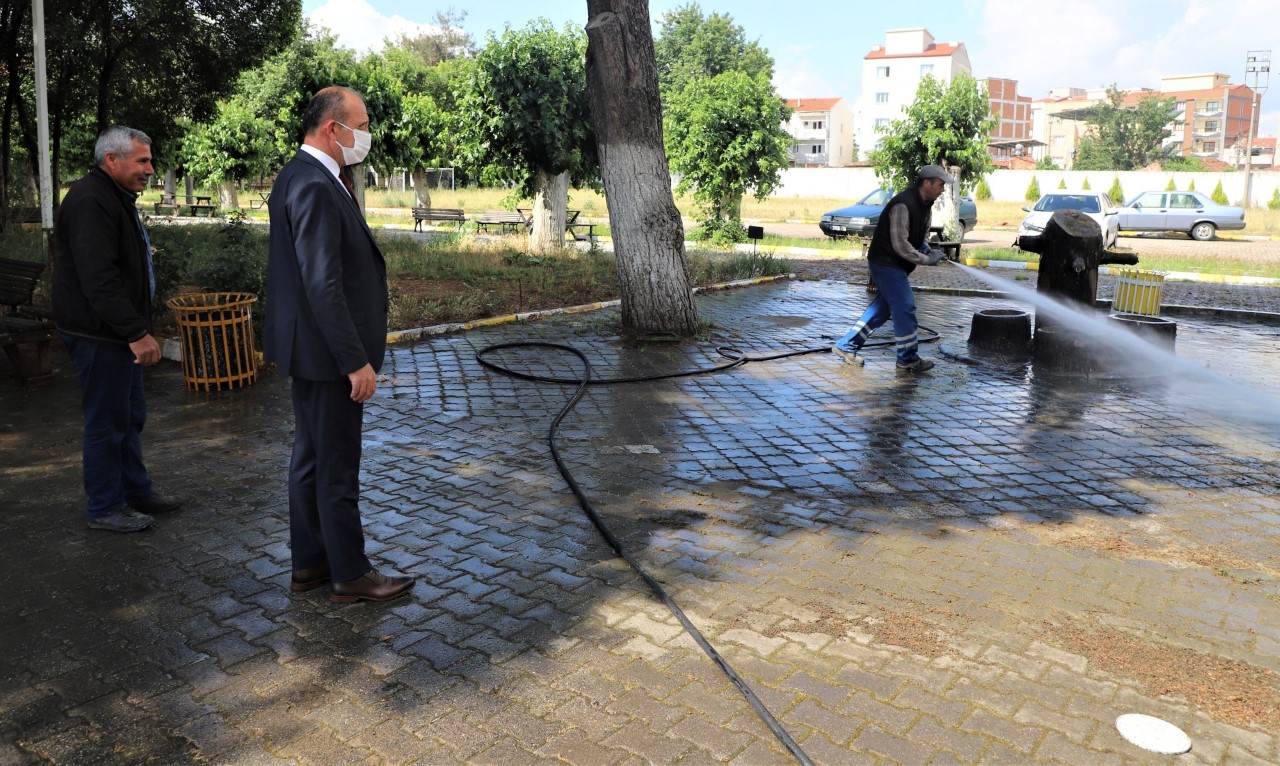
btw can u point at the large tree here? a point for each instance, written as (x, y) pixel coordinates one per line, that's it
(1125, 136)
(725, 138)
(144, 63)
(648, 237)
(947, 125)
(526, 121)
(723, 121)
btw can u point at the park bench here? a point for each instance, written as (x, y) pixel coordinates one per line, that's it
(504, 220)
(26, 333)
(263, 190)
(571, 224)
(952, 249)
(423, 215)
(203, 206)
(168, 205)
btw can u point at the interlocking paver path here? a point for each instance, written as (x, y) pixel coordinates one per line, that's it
(984, 565)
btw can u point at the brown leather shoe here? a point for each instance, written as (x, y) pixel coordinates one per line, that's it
(374, 586)
(309, 578)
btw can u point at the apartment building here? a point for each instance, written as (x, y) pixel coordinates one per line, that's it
(821, 132)
(891, 74)
(1210, 117)
(1010, 141)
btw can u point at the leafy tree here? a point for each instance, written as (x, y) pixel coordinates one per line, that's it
(1219, 195)
(235, 145)
(984, 191)
(1185, 164)
(446, 41)
(1274, 202)
(947, 125)
(1116, 192)
(527, 121)
(724, 137)
(1033, 190)
(1046, 163)
(691, 46)
(1124, 138)
(144, 63)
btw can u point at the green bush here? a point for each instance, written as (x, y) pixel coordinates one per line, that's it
(983, 191)
(1170, 186)
(1062, 183)
(1274, 202)
(1192, 187)
(1116, 193)
(1086, 185)
(1219, 195)
(1033, 190)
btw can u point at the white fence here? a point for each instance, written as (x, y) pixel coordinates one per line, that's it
(1011, 185)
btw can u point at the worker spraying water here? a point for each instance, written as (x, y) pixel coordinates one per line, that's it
(898, 245)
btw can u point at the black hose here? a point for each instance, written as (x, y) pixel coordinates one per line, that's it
(736, 359)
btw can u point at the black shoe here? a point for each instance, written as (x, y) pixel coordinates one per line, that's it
(309, 578)
(156, 504)
(123, 520)
(919, 365)
(373, 586)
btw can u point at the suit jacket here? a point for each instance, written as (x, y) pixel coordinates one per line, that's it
(326, 307)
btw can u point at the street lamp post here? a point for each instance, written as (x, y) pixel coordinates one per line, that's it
(1258, 64)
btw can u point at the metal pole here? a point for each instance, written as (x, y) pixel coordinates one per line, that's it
(1258, 64)
(42, 126)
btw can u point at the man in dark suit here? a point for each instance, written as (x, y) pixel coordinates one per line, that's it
(326, 327)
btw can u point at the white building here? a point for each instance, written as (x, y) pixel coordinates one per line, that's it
(821, 131)
(891, 74)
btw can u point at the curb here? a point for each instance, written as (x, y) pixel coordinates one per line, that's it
(417, 333)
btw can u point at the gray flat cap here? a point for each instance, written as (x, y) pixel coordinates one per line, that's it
(936, 171)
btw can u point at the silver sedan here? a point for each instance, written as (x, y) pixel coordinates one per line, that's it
(1190, 212)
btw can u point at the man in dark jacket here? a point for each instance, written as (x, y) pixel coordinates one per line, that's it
(103, 288)
(898, 245)
(326, 327)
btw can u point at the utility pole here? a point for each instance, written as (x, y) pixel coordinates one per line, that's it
(1258, 64)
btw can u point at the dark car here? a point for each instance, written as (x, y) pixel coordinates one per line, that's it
(860, 220)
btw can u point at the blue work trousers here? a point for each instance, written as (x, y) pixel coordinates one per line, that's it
(115, 410)
(895, 300)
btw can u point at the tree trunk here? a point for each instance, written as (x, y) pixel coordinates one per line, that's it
(648, 237)
(228, 195)
(421, 188)
(171, 183)
(946, 211)
(550, 198)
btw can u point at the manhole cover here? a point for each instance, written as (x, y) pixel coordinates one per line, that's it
(1153, 734)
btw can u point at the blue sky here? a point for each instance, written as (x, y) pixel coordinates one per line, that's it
(818, 49)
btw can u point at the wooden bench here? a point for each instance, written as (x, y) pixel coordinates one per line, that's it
(423, 215)
(167, 202)
(504, 220)
(571, 224)
(204, 210)
(26, 334)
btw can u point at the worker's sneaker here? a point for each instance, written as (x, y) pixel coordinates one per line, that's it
(848, 356)
(919, 365)
(123, 520)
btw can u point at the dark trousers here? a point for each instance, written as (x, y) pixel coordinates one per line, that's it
(324, 480)
(115, 410)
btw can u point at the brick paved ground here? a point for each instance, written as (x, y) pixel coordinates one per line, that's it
(984, 565)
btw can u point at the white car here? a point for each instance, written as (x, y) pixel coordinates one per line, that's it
(1096, 205)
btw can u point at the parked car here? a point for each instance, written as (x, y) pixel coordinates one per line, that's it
(1191, 212)
(1096, 205)
(860, 220)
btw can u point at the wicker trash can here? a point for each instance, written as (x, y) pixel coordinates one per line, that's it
(1138, 292)
(216, 330)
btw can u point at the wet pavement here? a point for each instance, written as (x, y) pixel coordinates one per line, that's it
(987, 564)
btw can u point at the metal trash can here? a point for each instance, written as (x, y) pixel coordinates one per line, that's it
(216, 331)
(1138, 292)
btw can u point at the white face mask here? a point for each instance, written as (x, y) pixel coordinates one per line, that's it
(354, 155)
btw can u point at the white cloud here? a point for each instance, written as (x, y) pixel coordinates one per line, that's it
(1092, 43)
(796, 75)
(359, 26)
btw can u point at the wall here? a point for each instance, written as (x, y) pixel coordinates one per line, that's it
(1011, 185)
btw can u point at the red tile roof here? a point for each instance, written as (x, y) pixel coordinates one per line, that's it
(937, 49)
(812, 104)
